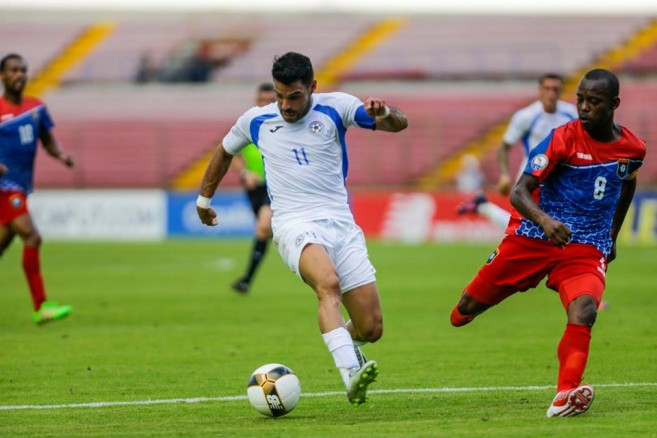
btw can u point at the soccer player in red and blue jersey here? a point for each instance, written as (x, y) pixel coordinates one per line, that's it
(23, 121)
(571, 202)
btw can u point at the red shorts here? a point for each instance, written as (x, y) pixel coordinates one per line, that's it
(521, 263)
(12, 205)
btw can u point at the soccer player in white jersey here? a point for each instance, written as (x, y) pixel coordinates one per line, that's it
(302, 140)
(528, 125)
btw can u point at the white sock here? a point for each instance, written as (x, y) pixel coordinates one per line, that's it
(498, 215)
(341, 346)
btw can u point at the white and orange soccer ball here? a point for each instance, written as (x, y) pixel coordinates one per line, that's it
(273, 390)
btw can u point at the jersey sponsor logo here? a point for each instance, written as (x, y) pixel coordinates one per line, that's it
(623, 168)
(276, 128)
(584, 156)
(540, 162)
(316, 127)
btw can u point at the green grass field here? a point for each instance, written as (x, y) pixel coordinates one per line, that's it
(157, 322)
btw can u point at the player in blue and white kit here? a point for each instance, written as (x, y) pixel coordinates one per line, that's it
(302, 141)
(571, 202)
(528, 126)
(24, 121)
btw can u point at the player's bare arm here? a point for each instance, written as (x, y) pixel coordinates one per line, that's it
(627, 193)
(521, 199)
(388, 118)
(504, 182)
(51, 145)
(215, 172)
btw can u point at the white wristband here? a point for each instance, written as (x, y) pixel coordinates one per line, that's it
(386, 113)
(203, 202)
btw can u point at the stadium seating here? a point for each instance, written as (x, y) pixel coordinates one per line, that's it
(494, 47)
(129, 136)
(646, 63)
(115, 131)
(440, 123)
(37, 37)
(161, 37)
(317, 39)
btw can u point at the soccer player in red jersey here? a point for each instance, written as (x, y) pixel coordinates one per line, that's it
(23, 121)
(570, 204)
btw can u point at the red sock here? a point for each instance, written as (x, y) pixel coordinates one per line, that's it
(573, 353)
(32, 269)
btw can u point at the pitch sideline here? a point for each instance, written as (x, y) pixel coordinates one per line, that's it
(312, 394)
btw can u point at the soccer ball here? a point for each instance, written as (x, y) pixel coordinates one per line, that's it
(273, 390)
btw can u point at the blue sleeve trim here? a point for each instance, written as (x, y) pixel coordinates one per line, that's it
(256, 123)
(363, 119)
(342, 131)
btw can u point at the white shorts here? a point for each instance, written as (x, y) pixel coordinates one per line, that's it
(344, 242)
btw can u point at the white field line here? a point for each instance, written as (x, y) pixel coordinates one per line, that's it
(105, 404)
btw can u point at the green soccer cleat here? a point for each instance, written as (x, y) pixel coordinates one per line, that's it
(50, 311)
(360, 380)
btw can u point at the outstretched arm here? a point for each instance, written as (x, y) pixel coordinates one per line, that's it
(627, 193)
(522, 200)
(215, 172)
(388, 118)
(51, 145)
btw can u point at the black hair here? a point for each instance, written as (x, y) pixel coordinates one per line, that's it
(6, 58)
(599, 74)
(265, 87)
(292, 67)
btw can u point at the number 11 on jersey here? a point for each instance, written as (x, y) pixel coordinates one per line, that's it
(300, 155)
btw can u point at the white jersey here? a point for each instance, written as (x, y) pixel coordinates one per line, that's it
(305, 161)
(532, 124)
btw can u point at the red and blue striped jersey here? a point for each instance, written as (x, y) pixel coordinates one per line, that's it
(20, 129)
(581, 182)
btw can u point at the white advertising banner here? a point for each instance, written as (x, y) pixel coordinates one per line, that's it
(100, 214)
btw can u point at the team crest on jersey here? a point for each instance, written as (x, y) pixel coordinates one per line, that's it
(540, 162)
(316, 127)
(492, 256)
(623, 168)
(35, 116)
(16, 202)
(299, 241)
